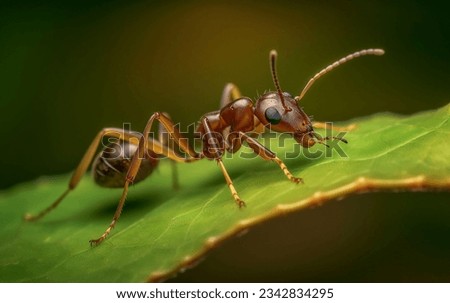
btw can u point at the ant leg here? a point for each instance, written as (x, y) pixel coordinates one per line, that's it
(212, 146)
(328, 125)
(267, 154)
(164, 138)
(170, 127)
(84, 164)
(157, 148)
(234, 193)
(230, 93)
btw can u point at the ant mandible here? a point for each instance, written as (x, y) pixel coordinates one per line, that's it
(223, 130)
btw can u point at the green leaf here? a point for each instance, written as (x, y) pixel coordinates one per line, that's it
(162, 231)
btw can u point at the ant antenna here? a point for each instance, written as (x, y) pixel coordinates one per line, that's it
(273, 68)
(322, 140)
(370, 51)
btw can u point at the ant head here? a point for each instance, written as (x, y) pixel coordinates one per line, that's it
(280, 112)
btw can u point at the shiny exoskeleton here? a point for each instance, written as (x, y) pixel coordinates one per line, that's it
(136, 155)
(111, 165)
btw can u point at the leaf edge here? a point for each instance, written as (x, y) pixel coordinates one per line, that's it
(360, 185)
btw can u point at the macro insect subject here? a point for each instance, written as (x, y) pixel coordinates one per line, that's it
(221, 131)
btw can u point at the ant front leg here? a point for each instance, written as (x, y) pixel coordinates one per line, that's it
(213, 149)
(267, 154)
(84, 164)
(150, 145)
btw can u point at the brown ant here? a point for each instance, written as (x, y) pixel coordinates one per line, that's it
(221, 131)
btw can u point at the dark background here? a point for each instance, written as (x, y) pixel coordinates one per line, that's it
(69, 68)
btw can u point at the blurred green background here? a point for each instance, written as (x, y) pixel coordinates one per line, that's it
(69, 68)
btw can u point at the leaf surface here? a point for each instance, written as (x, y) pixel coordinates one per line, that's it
(162, 231)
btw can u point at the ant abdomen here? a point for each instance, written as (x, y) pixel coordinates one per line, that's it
(111, 165)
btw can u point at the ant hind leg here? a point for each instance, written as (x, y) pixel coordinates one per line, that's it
(154, 146)
(83, 166)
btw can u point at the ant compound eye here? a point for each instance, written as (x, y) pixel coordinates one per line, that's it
(272, 115)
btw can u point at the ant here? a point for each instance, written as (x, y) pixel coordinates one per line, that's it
(223, 130)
